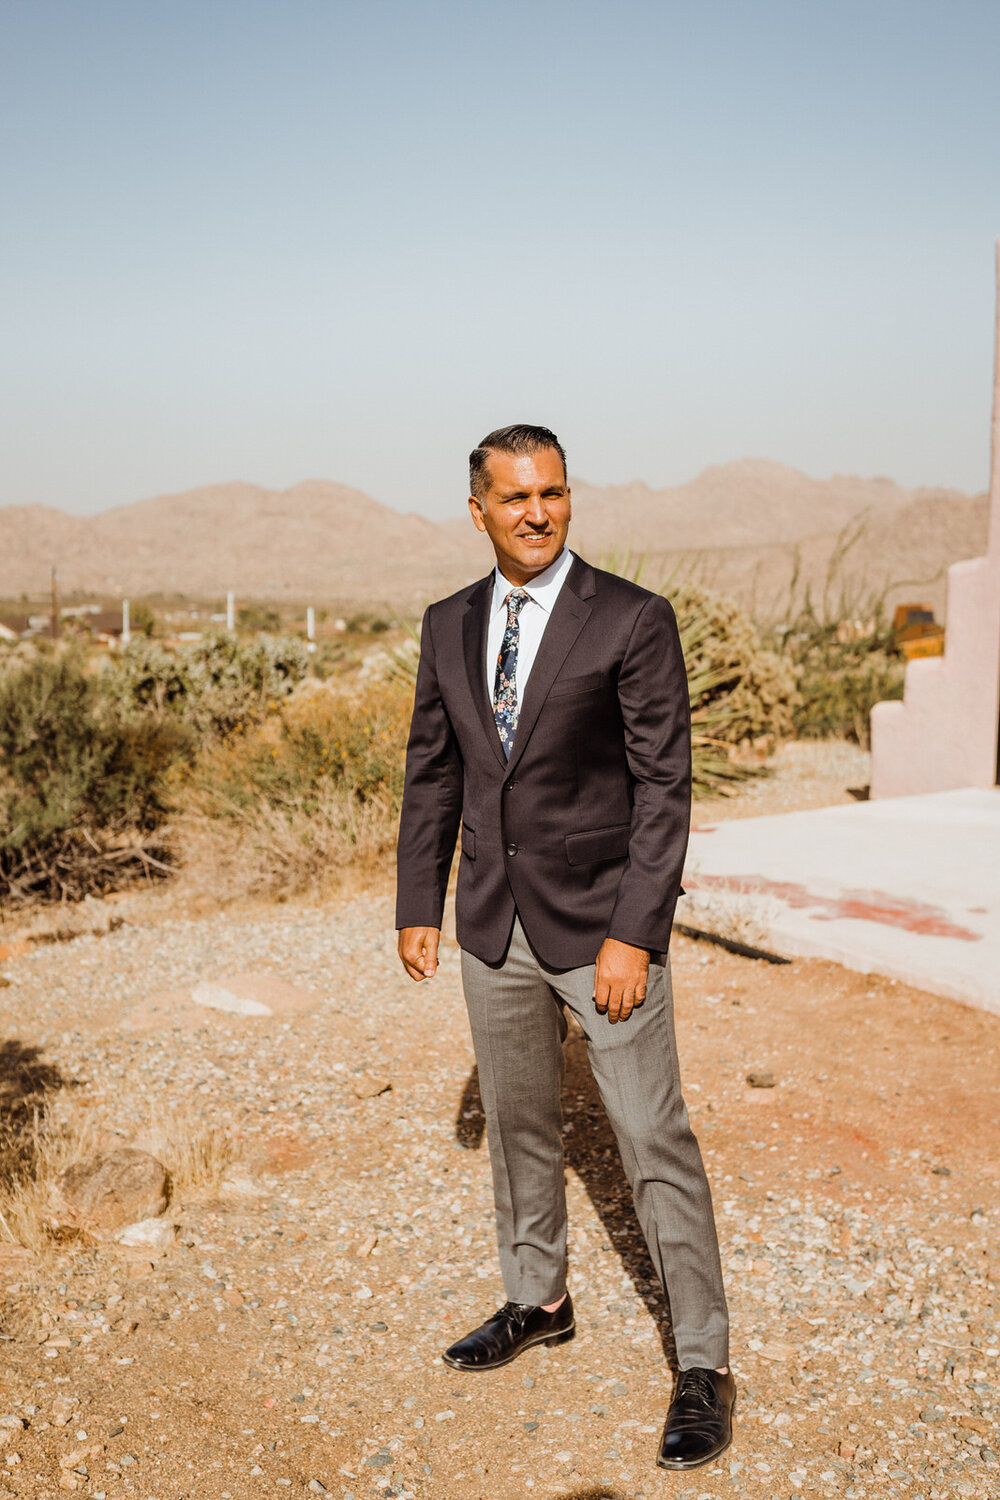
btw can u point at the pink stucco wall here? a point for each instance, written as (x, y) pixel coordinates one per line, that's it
(944, 732)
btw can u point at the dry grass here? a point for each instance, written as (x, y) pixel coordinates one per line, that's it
(35, 1150)
(196, 1156)
(290, 807)
(275, 852)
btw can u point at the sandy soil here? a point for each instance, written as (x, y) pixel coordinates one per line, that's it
(289, 1341)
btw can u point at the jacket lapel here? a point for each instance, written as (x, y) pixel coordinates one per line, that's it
(475, 623)
(569, 615)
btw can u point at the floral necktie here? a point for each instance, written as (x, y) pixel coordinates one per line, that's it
(505, 705)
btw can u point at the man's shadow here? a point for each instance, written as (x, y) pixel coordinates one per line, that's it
(591, 1151)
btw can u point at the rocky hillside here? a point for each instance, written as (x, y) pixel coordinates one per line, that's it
(740, 525)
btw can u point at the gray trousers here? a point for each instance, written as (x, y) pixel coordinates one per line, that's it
(517, 1030)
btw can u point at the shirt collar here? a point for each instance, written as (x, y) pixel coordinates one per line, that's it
(543, 588)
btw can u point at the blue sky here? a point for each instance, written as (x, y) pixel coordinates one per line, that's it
(344, 239)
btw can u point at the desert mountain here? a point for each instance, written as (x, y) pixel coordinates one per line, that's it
(317, 540)
(741, 526)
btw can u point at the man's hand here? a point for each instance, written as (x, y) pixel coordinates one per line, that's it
(620, 979)
(418, 948)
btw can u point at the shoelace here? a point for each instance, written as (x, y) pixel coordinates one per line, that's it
(700, 1384)
(513, 1312)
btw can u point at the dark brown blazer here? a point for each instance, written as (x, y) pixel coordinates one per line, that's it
(584, 830)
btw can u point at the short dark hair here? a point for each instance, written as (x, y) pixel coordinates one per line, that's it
(519, 438)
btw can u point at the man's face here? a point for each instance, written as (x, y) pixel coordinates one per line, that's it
(525, 512)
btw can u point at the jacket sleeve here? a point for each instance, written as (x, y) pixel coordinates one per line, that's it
(653, 693)
(432, 800)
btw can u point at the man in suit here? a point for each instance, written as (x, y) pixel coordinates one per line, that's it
(551, 727)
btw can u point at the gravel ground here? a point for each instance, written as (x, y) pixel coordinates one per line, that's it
(289, 1341)
(802, 774)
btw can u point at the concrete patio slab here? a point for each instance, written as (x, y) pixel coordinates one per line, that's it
(906, 887)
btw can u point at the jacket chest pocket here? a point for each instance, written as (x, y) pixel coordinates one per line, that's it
(468, 842)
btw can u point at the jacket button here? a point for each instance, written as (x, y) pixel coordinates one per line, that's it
(508, 786)
(511, 849)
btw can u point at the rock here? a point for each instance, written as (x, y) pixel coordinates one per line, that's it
(760, 1078)
(777, 1352)
(215, 997)
(239, 1185)
(276, 995)
(109, 1189)
(63, 1408)
(368, 1085)
(150, 1235)
(76, 1456)
(365, 1247)
(10, 1427)
(318, 1488)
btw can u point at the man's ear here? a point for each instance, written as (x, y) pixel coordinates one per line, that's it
(476, 511)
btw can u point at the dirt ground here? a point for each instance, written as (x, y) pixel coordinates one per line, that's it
(289, 1341)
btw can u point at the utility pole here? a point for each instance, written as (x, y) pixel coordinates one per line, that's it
(230, 610)
(311, 628)
(55, 604)
(126, 624)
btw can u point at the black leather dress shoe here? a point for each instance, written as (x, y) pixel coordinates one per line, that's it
(515, 1327)
(699, 1424)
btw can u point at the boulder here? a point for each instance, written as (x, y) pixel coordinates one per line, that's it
(102, 1192)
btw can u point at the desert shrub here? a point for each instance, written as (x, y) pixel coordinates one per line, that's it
(82, 789)
(258, 617)
(216, 686)
(142, 620)
(841, 679)
(286, 805)
(840, 645)
(743, 688)
(739, 690)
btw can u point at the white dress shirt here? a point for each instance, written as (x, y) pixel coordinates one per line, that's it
(542, 592)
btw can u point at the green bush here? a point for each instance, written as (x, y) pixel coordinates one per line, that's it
(142, 620)
(216, 686)
(840, 680)
(738, 689)
(82, 789)
(839, 645)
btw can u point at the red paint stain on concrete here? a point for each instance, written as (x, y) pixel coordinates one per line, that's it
(864, 906)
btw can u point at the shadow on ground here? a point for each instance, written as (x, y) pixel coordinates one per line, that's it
(592, 1494)
(27, 1083)
(591, 1151)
